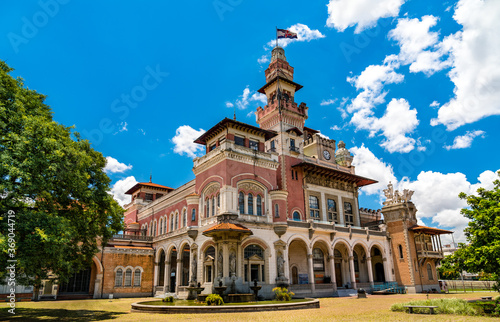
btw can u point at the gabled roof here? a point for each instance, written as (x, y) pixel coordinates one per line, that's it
(429, 230)
(138, 185)
(296, 130)
(226, 122)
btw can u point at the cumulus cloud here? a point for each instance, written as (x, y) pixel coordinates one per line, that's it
(343, 14)
(263, 59)
(246, 98)
(419, 46)
(476, 65)
(183, 140)
(304, 33)
(436, 194)
(464, 141)
(368, 165)
(120, 187)
(328, 102)
(114, 166)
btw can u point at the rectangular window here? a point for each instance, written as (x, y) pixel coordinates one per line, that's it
(209, 274)
(246, 273)
(148, 196)
(238, 140)
(273, 146)
(292, 146)
(254, 145)
(137, 277)
(349, 218)
(212, 147)
(314, 207)
(128, 277)
(332, 210)
(158, 195)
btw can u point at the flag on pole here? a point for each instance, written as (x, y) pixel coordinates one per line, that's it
(283, 33)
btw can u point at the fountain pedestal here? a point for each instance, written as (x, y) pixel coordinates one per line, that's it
(256, 289)
(194, 291)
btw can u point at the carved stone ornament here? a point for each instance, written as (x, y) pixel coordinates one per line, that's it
(248, 186)
(395, 197)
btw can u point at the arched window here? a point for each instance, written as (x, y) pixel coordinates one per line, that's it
(332, 211)
(259, 205)
(155, 232)
(137, 277)
(161, 226)
(429, 272)
(276, 210)
(128, 277)
(193, 214)
(171, 222)
(318, 260)
(207, 212)
(176, 221)
(241, 202)
(165, 225)
(349, 218)
(314, 207)
(119, 277)
(213, 206)
(400, 251)
(250, 204)
(296, 216)
(184, 218)
(218, 200)
(253, 250)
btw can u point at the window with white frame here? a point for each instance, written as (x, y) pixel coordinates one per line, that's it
(137, 277)
(177, 221)
(128, 277)
(184, 218)
(332, 211)
(250, 204)
(254, 145)
(119, 277)
(349, 217)
(207, 211)
(213, 206)
(171, 222)
(314, 207)
(259, 205)
(241, 202)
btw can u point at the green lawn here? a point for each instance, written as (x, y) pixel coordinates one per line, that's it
(373, 308)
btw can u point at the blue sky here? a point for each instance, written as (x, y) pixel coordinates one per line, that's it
(412, 87)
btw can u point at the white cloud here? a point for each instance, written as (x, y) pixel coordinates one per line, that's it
(436, 194)
(464, 141)
(120, 187)
(328, 102)
(476, 65)
(343, 14)
(263, 59)
(304, 33)
(371, 81)
(368, 165)
(142, 131)
(336, 128)
(419, 47)
(248, 97)
(183, 140)
(123, 127)
(434, 104)
(114, 166)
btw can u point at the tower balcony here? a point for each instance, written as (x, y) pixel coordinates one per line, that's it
(430, 254)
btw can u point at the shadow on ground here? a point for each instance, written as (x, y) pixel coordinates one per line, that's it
(27, 314)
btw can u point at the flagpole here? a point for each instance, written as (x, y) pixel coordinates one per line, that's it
(276, 36)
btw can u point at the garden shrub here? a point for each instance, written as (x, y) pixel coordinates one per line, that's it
(168, 299)
(283, 294)
(214, 299)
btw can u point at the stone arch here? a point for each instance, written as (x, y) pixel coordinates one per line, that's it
(183, 243)
(298, 252)
(302, 238)
(158, 252)
(323, 241)
(360, 254)
(299, 211)
(254, 240)
(250, 177)
(208, 181)
(207, 244)
(98, 264)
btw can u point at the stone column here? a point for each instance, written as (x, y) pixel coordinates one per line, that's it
(332, 272)
(97, 286)
(166, 280)
(193, 268)
(353, 273)
(387, 270)
(156, 274)
(370, 270)
(311, 273)
(178, 272)
(324, 210)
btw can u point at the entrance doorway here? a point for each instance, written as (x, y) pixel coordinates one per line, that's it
(173, 270)
(338, 274)
(295, 275)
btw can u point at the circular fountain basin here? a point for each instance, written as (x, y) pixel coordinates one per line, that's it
(188, 307)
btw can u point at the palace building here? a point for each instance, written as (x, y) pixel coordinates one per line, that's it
(276, 204)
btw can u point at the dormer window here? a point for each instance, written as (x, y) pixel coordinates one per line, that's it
(238, 140)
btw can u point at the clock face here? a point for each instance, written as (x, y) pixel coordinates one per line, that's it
(326, 154)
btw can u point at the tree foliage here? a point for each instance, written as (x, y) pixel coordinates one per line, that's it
(54, 183)
(482, 251)
(448, 270)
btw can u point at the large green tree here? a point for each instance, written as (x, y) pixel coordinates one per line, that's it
(482, 251)
(54, 190)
